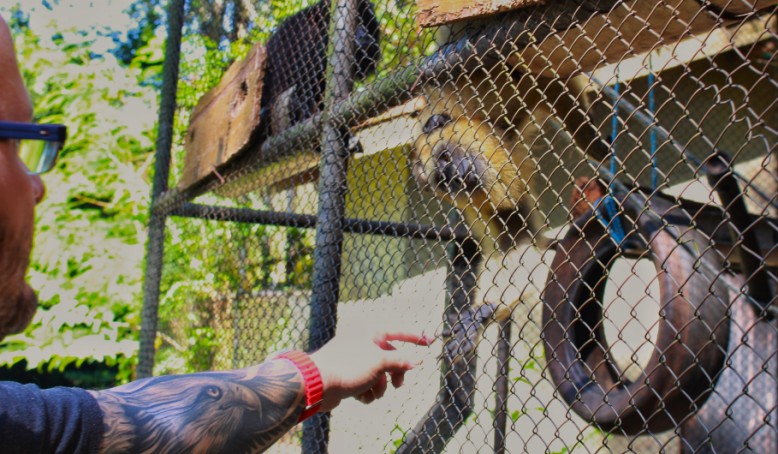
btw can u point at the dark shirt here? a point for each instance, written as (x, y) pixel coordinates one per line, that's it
(57, 420)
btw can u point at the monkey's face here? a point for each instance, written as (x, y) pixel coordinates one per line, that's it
(465, 161)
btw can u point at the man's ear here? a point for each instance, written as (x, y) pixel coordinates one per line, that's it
(12, 89)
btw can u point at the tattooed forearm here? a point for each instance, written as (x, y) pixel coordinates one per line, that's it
(236, 411)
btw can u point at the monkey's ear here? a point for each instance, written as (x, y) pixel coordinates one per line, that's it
(353, 145)
(435, 122)
(284, 106)
(419, 174)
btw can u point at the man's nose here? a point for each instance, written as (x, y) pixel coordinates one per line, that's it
(38, 188)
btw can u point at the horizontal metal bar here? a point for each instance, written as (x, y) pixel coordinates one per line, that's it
(362, 226)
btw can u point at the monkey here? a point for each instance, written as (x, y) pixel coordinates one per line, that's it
(474, 152)
(474, 148)
(296, 61)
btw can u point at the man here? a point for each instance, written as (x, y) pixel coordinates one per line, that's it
(233, 411)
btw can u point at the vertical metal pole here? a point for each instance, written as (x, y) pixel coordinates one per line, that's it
(454, 402)
(502, 386)
(236, 305)
(332, 202)
(723, 181)
(156, 241)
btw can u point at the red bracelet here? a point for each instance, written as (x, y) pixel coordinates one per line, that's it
(313, 385)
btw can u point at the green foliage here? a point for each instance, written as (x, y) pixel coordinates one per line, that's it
(219, 278)
(227, 291)
(91, 227)
(402, 42)
(89, 375)
(516, 414)
(398, 436)
(147, 14)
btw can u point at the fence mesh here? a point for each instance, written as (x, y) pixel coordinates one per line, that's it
(577, 196)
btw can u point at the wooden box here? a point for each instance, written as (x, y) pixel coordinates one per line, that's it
(226, 119)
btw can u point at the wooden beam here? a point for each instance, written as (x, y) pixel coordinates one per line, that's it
(409, 108)
(275, 176)
(225, 120)
(689, 50)
(742, 6)
(631, 29)
(437, 12)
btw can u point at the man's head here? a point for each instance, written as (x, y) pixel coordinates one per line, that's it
(19, 193)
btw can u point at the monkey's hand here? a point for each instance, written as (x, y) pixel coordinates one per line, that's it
(464, 332)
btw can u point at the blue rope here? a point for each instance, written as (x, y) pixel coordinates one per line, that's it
(652, 133)
(615, 127)
(611, 219)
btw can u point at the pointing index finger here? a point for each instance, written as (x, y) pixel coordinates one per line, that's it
(383, 339)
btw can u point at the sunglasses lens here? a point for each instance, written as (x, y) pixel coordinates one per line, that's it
(38, 155)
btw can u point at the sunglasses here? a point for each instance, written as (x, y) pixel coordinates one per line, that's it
(39, 145)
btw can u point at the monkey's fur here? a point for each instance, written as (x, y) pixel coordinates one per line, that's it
(295, 69)
(474, 152)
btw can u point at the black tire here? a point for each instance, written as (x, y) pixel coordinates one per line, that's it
(693, 329)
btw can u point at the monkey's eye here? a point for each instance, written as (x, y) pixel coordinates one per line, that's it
(436, 121)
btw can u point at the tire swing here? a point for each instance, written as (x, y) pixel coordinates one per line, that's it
(693, 324)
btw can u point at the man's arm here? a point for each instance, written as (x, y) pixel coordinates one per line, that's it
(243, 410)
(247, 410)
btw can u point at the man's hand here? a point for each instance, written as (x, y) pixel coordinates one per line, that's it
(357, 364)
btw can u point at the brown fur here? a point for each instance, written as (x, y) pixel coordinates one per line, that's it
(495, 120)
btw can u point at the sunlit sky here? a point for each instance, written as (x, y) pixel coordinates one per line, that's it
(93, 16)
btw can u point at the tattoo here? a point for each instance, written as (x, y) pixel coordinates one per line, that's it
(237, 411)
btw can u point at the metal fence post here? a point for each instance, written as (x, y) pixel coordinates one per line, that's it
(156, 241)
(502, 386)
(332, 202)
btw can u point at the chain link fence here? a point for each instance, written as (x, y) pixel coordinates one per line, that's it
(577, 196)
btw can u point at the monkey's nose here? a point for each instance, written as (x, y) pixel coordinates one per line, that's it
(458, 171)
(468, 171)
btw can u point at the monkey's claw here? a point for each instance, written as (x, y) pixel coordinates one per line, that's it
(463, 334)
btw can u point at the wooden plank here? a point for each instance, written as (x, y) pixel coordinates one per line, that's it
(225, 119)
(409, 108)
(279, 175)
(432, 13)
(742, 6)
(391, 129)
(689, 50)
(437, 12)
(632, 28)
